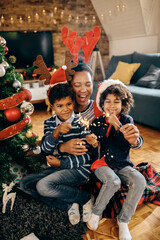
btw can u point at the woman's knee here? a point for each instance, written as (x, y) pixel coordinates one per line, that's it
(42, 187)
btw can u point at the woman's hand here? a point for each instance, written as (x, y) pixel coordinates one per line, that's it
(130, 133)
(92, 140)
(74, 146)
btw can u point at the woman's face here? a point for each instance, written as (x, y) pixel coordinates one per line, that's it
(83, 87)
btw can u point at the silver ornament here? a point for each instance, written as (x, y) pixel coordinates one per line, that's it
(5, 64)
(16, 84)
(27, 108)
(2, 70)
(37, 150)
(25, 147)
(2, 41)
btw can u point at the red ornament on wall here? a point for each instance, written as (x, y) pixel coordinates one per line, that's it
(13, 114)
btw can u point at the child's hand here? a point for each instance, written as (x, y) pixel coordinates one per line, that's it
(130, 132)
(112, 119)
(92, 140)
(62, 128)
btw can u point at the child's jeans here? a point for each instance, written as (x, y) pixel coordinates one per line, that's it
(56, 187)
(111, 182)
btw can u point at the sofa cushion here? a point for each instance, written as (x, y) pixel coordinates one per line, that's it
(124, 71)
(150, 79)
(114, 62)
(146, 60)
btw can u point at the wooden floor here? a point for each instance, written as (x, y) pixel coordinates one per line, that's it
(145, 224)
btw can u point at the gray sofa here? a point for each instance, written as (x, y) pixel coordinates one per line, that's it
(144, 85)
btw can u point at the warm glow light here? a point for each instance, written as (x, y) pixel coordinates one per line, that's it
(55, 9)
(2, 19)
(12, 20)
(77, 19)
(20, 20)
(29, 19)
(44, 12)
(36, 16)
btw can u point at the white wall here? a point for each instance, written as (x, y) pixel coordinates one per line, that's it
(135, 29)
(140, 44)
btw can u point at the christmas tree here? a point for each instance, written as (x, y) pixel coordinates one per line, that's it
(19, 149)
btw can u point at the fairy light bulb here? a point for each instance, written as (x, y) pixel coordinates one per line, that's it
(62, 14)
(55, 9)
(29, 19)
(93, 19)
(11, 20)
(123, 7)
(20, 20)
(2, 19)
(69, 17)
(77, 19)
(85, 20)
(102, 16)
(44, 12)
(118, 8)
(36, 16)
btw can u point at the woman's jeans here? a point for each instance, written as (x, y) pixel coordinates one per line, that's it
(112, 182)
(56, 187)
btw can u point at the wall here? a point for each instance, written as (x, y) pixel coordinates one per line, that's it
(77, 15)
(134, 28)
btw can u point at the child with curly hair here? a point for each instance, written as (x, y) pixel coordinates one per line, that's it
(113, 165)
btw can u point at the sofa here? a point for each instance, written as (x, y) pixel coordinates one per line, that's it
(142, 75)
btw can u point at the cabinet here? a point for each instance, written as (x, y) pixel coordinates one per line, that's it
(37, 89)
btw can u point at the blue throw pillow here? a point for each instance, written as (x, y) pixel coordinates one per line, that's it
(151, 79)
(114, 62)
(146, 61)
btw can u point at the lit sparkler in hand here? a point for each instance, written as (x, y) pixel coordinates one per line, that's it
(83, 122)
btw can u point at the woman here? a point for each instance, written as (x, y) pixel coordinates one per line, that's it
(82, 85)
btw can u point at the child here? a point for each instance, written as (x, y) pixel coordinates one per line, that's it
(69, 171)
(113, 166)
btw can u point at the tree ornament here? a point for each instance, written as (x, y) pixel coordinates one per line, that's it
(12, 59)
(5, 64)
(2, 70)
(2, 41)
(27, 108)
(14, 129)
(15, 99)
(6, 50)
(25, 147)
(37, 150)
(13, 114)
(29, 134)
(7, 197)
(16, 84)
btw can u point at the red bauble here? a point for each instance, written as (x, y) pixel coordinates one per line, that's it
(28, 95)
(13, 114)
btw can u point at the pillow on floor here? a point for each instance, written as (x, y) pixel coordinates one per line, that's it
(151, 79)
(125, 71)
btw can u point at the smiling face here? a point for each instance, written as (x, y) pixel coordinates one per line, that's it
(82, 86)
(63, 108)
(112, 104)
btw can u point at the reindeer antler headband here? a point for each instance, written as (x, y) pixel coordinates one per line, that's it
(63, 74)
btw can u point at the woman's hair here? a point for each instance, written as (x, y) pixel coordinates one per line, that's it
(122, 92)
(60, 91)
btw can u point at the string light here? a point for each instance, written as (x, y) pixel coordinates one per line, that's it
(20, 20)
(2, 19)
(11, 20)
(29, 19)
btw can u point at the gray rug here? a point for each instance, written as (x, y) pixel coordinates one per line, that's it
(32, 216)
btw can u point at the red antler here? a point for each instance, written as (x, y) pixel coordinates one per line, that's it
(89, 42)
(69, 42)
